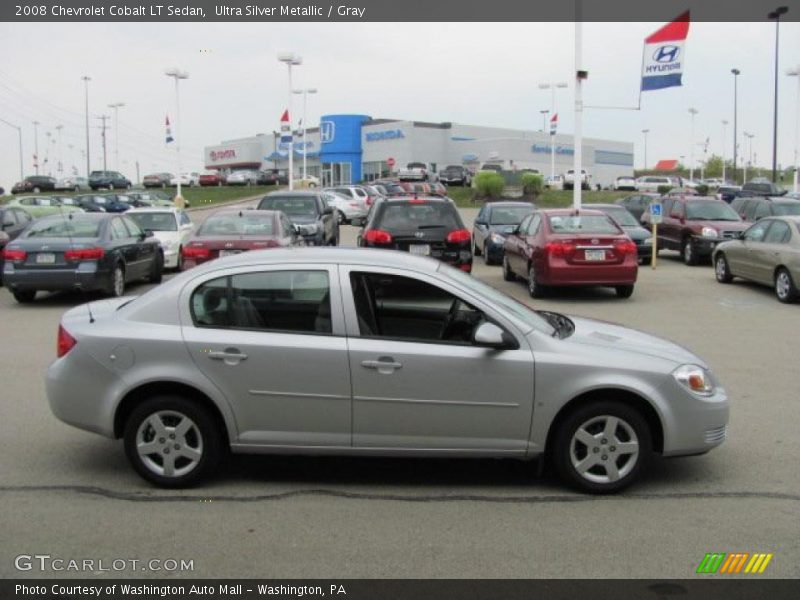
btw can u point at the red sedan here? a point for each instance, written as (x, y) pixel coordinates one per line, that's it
(212, 178)
(229, 232)
(565, 247)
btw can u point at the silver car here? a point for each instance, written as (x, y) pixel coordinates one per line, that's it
(348, 210)
(372, 352)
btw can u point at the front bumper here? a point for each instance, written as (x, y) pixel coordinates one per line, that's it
(494, 252)
(693, 424)
(84, 277)
(705, 246)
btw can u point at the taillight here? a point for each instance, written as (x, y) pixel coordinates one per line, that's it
(195, 252)
(416, 201)
(65, 342)
(466, 267)
(14, 255)
(459, 236)
(625, 247)
(559, 249)
(369, 200)
(377, 236)
(84, 254)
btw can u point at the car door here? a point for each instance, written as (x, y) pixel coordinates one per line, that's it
(767, 255)
(515, 247)
(419, 383)
(752, 242)
(145, 247)
(671, 226)
(125, 246)
(185, 226)
(272, 340)
(480, 230)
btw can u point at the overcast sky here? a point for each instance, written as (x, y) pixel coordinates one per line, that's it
(480, 74)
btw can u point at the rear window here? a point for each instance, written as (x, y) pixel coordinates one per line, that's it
(509, 215)
(64, 228)
(292, 206)
(582, 224)
(416, 165)
(418, 214)
(155, 221)
(244, 223)
(788, 208)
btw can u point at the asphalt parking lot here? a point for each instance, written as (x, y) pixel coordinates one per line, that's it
(71, 494)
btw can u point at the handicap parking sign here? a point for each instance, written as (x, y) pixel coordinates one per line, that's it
(655, 212)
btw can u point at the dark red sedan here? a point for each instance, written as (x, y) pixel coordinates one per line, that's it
(565, 247)
(212, 178)
(229, 232)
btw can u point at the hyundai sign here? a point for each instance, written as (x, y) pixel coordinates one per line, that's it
(390, 134)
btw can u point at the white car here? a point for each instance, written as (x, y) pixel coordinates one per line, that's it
(186, 179)
(625, 183)
(243, 177)
(347, 209)
(651, 183)
(72, 184)
(414, 171)
(172, 227)
(569, 179)
(554, 182)
(308, 182)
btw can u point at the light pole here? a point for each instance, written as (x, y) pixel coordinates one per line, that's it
(735, 73)
(60, 168)
(86, 80)
(544, 114)
(305, 92)
(776, 15)
(177, 75)
(291, 60)
(796, 73)
(693, 112)
(116, 106)
(19, 133)
(36, 146)
(724, 129)
(749, 153)
(645, 132)
(552, 87)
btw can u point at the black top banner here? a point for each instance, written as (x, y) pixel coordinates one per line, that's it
(396, 10)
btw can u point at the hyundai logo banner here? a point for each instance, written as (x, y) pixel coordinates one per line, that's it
(663, 61)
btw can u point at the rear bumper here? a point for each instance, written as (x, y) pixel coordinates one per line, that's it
(84, 277)
(567, 274)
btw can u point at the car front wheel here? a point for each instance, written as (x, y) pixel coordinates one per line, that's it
(785, 289)
(687, 253)
(721, 269)
(172, 442)
(602, 447)
(24, 296)
(624, 291)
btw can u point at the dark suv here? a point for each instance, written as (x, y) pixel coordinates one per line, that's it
(455, 174)
(34, 184)
(422, 225)
(309, 212)
(273, 177)
(761, 188)
(758, 207)
(694, 225)
(108, 180)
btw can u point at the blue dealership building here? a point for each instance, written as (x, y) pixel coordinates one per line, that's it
(350, 148)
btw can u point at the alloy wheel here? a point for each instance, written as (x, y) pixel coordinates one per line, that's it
(169, 444)
(604, 449)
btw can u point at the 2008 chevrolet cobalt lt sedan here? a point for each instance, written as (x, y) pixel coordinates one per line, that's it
(369, 352)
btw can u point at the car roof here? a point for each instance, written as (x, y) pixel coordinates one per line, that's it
(510, 203)
(292, 193)
(571, 212)
(605, 206)
(155, 209)
(242, 212)
(411, 196)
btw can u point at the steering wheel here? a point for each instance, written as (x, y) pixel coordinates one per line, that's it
(448, 320)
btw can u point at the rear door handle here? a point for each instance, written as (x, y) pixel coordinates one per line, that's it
(385, 365)
(230, 356)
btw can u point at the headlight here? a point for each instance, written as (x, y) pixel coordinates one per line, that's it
(498, 239)
(695, 379)
(647, 241)
(709, 232)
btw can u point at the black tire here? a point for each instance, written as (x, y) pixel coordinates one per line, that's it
(785, 288)
(36, 190)
(340, 218)
(687, 253)
(535, 289)
(24, 296)
(722, 270)
(475, 250)
(116, 281)
(157, 270)
(624, 291)
(204, 438)
(508, 274)
(591, 417)
(486, 259)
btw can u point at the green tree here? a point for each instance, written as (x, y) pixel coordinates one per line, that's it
(490, 185)
(714, 166)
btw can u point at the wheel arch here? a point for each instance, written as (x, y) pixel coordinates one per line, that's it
(632, 399)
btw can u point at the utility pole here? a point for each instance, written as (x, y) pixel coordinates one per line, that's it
(86, 79)
(21, 159)
(724, 137)
(693, 112)
(36, 146)
(116, 106)
(645, 132)
(103, 119)
(60, 167)
(736, 73)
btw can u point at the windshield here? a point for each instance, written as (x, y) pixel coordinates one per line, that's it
(710, 210)
(582, 224)
(509, 215)
(492, 296)
(64, 228)
(621, 216)
(292, 206)
(416, 165)
(244, 223)
(783, 209)
(155, 221)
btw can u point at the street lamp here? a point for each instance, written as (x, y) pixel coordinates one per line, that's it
(177, 75)
(776, 16)
(305, 92)
(645, 132)
(116, 106)
(291, 60)
(552, 87)
(86, 80)
(724, 129)
(60, 167)
(19, 133)
(796, 73)
(36, 146)
(693, 112)
(735, 73)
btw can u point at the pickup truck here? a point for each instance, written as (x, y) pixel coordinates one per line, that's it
(569, 179)
(455, 174)
(414, 171)
(761, 187)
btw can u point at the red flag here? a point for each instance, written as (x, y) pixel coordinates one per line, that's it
(285, 117)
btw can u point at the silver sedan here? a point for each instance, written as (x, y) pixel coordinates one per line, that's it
(367, 352)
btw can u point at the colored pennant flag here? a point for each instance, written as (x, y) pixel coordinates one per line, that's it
(663, 60)
(286, 128)
(169, 131)
(553, 124)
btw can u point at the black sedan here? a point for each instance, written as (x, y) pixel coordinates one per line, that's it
(638, 234)
(108, 180)
(637, 204)
(81, 251)
(102, 203)
(493, 223)
(34, 184)
(309, 212)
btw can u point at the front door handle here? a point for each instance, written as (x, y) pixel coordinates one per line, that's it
(385, 365)
(231, 356)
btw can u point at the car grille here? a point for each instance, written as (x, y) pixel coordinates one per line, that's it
(728, 235)
(716, 434)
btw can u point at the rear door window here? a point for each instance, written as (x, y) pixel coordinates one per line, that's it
(779, 233)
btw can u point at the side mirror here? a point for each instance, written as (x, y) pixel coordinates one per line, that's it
(490, 335)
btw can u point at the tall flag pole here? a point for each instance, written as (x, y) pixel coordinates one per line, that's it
(286, 138)
(553, 128)
(169, 137)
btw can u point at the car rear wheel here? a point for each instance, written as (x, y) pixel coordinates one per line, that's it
(508, 274)
(24, 296)
(535, 289)
(116, 285)
(602, 447)
(785, 289)
(721, 269)
(624, 291)
(157, 270)
(475, 250)
(172, 442)
(687, 253)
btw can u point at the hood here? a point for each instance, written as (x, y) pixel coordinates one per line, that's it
(601, 334)
(719, 225)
